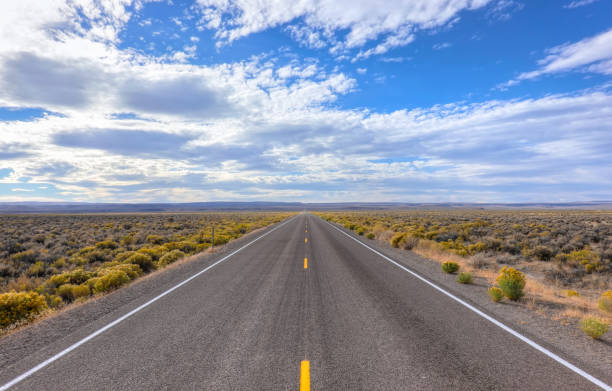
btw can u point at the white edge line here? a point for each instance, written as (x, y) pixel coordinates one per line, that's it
(487, 317)
(124, 317)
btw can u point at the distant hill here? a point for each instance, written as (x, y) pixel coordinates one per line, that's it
(77, 207)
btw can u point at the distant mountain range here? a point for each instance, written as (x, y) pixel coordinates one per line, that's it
(78, 207)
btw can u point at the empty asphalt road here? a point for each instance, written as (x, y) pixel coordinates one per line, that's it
(305, 299)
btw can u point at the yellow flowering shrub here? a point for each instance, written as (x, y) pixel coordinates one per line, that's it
(495, 294)
(17, 306)
(511, 282)
(593, 327)
(171, 257)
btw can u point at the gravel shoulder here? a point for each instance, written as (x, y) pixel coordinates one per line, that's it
(530, 319)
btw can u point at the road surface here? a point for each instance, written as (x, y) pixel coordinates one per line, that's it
(303, 304)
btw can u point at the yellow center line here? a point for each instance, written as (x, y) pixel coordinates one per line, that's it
(305, 263)
(305, 376)
(305, 240)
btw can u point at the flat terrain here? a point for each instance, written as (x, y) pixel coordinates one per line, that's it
(247, 323)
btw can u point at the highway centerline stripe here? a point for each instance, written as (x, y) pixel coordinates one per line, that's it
(305, 240)
(305, 375)
(305, 263)
(124, 317)
(530, 342)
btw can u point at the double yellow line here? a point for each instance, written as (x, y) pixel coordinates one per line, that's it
(305, 376)
(305, 365)
(306, 241)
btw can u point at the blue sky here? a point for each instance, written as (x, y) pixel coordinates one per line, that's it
(319, 100)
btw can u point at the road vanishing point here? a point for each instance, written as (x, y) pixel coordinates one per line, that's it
(304, 305)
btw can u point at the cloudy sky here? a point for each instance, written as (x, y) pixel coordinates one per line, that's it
(305, 100)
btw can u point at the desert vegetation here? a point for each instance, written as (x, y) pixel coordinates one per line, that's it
(560, 260)
(49, 261)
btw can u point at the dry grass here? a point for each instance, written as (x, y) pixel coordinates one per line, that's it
(536, 290)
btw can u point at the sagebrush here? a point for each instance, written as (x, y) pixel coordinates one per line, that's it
(47, 261)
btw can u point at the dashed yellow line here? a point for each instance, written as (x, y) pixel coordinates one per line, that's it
(305, 263)
(305, 376)
(305, 240)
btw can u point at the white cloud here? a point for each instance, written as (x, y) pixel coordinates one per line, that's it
(579, 3)
(440, 46)
(323, 20)
(400, 38)
(307, 36)
(257, 129)
(593, 54)
(395, 59)
(503, 9)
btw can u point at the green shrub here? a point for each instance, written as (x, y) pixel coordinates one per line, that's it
(495, 294)
(605, 301)
(512, 282)
(79, 291)
(15, 307)
(132, 270)
(28, 256)
(397, 238)
(450, 267)
(60, 263)
(144, 261)
(37, 269)
(543, 253)
(476, 248)
(65, 292)
(360, 231)
(171, 257)
(241, 229)
(58, 279)
(121, 257)
(155, 239)
(464, 278)
(127, 240)
(153, 252)
(79, 276)
(91, 283)
(187, 247)
(221, 240)
(107, 244)
(53, 301)
(370, 235)
(593, 327)
(77, 260)
(110, 281)
(94, 254)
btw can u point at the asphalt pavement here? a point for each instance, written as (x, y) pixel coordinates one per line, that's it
(304, 300)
